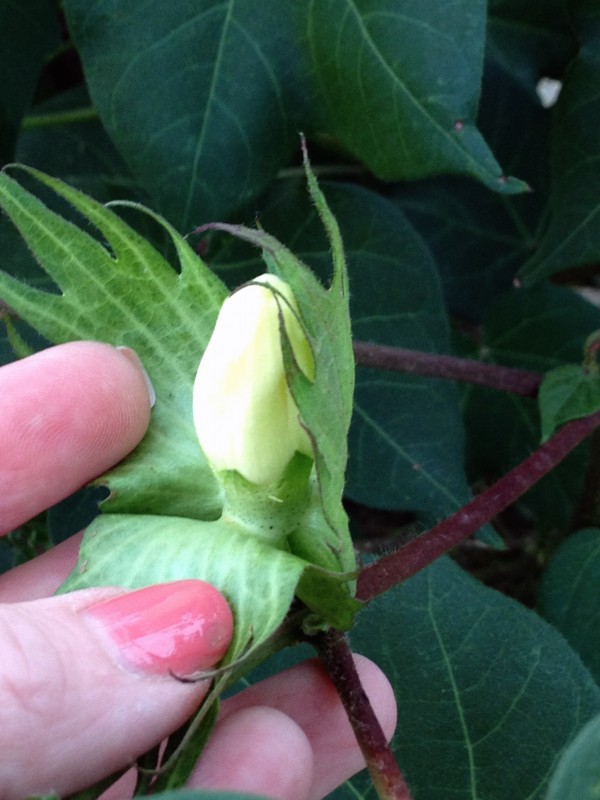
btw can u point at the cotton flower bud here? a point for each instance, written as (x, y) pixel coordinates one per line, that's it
(245, 416)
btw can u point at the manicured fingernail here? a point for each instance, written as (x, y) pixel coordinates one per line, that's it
(137, 361)
(180, 627)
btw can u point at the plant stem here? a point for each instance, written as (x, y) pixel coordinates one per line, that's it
(59, 118)
(335, 654)
(396, 567)
(436, 365)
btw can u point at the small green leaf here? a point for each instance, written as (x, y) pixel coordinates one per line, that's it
(577, 776)
(567, 393)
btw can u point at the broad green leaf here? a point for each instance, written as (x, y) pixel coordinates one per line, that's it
(539, 328)
(571, 238)
(400, 85)
(203, 145)
(480, 239)
(406, 438)
(125, 293)
(567, 393)
(577, 776)
(28, 32)
(569, 598)
(489, 695)
(471, 233)
(211, 132)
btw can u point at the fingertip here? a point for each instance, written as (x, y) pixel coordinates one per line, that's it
(119, 388)
(133, 357)
(67, 414)
(260, 751)
(69, 706)
(179, 628)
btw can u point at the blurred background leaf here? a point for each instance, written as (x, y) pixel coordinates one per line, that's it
(569, 598)
(577, 776)
(488, 694)
(28, 33)
(571, 238)
(195, 97)
(423, 95)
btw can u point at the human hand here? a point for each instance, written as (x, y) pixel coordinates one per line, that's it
(81, 694)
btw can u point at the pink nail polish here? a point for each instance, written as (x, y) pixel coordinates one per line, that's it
(180, 627)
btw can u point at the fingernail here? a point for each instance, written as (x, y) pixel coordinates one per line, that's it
(137, 361)
(180, 627)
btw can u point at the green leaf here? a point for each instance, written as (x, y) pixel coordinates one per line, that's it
(577, 776)
(571, 238)
(567, 393)
(203, 145)
(480, 239)
(470, 233)
(489, 695)
(125, 293)
(28, 31)
(568, 594)
(400, 86)
(199, 141)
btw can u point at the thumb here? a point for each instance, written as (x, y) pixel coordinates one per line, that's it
(86, 683)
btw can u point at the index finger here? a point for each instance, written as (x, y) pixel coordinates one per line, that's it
(67, 414)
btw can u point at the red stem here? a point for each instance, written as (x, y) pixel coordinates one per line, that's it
(336, 657)
(436, 365)
(396, 567)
